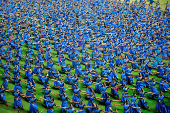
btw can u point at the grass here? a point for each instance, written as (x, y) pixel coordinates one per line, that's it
(40, 92)
(162, 3)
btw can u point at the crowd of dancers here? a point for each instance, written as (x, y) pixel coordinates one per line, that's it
(106, 37)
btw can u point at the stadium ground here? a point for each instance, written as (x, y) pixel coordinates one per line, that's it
(40, 92)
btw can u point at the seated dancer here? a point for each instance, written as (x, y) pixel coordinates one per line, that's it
(2, 95)
(33, 105)
(160, 105)
(142, 101)
(17, 100)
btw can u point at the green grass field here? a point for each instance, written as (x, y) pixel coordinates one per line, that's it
(40, 92)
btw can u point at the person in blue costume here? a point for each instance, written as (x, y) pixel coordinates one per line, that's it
(82, 106)
(50, 106)
(27, 66)
(76, 96)
(114, 74)
(164, 85)
(17, 63)
(40, 58)
(2, 51)
(46, 42)
(161, 69)
(78, 69)
(5, 81)
(134, 63)
(142, 69)
(51, 71)
(70, 109)
(97, 59)
(47, 95)
(123, 74)
(114, 88)
(160, 105)
(94, 73)
(90, 89)
(74, 81)
(29, 93)
(119, 60)
(41, 76)
(111, 60)
(68, 76)
(57, 80)
(6, 69)
(74, 59)
(104, 93)
(2, 95)
(62, 88)
(33, 105)
(108, 105)
(88, 63)
(139, 83)
(64, 103)
(105, 55)
(18, 85)
(108, 78)
(93, 54)
(1, 64)
(30, 77)
(123, 82)
(86, 77)
(46, 81)
(125, 93)
(102, 63)
(142, 101)
(168, 72)
(63, 65)
(134, 104)
(98, 84)
(49, 61)
(126, 106)
(91, 103)
(154, 92)
(154, 63)
(129, 77)
(36, 69)
(17, 100)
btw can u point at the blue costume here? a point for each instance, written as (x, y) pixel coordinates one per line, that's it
(89, 89)
(17, 100)
(142, 101)
(104, 93)
(33, 105)
(114, 89)
(134, 104)
(76, 96)
(108, 106)
(153, 89)
(90, 103)
(2, 95)
(47, 96)
(50, 108)
(64, 103)
(98, 85)
(124, 94)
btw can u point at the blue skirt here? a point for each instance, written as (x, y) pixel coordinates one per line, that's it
(33, 108)
(2, 97)
(17, 103)
(64, 104)
(50, 111)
